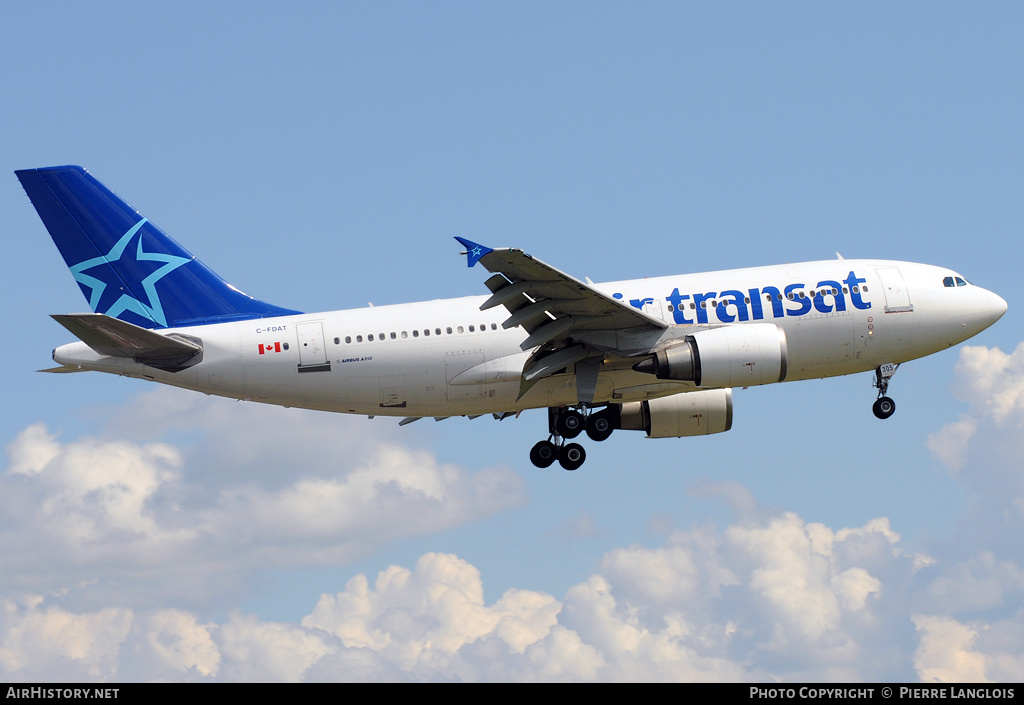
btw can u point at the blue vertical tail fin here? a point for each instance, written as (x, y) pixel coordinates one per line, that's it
(127, 267)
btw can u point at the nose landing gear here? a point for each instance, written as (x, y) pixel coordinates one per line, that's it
(884, 407)
(565, 424)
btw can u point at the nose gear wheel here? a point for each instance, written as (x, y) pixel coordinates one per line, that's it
(884, 407)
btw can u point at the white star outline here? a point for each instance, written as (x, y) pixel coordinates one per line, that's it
(476, 252)
(154, 311)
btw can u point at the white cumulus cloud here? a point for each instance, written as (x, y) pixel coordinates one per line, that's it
(992, 382)
(781, 599)
(193, 518)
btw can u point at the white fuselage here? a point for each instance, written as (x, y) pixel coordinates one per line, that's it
(447, 357)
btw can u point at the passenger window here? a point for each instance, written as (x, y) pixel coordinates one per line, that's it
(405, 334)
(472, 329)
(393, 335)
(461, 330)
(359, 338)
(337, 341)
(437, 331)
(448, 330)
(426, 332)
(415, 334)
(494, 326)
(370, 337)
(348, 339)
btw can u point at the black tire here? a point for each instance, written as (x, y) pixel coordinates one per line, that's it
(572, 456)
(599, 426)
(570, 423)
(884, 407)
(543, 454)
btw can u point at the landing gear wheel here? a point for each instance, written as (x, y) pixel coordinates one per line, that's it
(599, 426)
(570, 424)
(572, 456)
(884, 407)
(543, 454)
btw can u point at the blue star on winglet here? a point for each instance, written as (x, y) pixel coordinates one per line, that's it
(473, 251)
(153, 310)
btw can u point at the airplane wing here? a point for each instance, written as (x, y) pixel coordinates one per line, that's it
(568, 321)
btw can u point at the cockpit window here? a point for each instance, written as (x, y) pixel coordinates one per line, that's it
(954, 281)
(948, 281)
(960, 281)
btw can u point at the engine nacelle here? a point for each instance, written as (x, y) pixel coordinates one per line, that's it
(687, 414)
(730, 356)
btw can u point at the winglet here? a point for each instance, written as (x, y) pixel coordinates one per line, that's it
(473, 251)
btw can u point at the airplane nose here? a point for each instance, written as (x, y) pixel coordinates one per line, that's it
(985, 309)
(970, 311)
(995, 307)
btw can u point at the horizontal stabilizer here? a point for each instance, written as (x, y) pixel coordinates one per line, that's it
(63, 369)
(116, 338)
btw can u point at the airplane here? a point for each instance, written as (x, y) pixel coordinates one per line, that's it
(658, 355)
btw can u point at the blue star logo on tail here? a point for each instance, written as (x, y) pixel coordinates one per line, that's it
(120, 254)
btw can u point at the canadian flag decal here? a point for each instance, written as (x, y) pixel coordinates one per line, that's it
(270, 348)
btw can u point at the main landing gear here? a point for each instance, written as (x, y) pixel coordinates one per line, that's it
(884, 407)
(567, 423)
(570, 455)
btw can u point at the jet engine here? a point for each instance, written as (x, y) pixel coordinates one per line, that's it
(687, 414)
(730, 356)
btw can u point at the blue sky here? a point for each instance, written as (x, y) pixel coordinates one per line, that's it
(322, 156)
